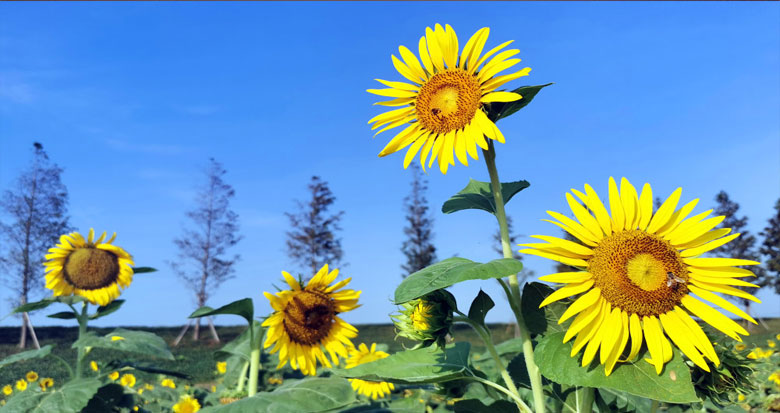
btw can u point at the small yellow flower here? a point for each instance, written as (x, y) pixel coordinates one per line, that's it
(114, 375)
(777, 336)
(740, 346)
(21, 385)
(141, 391)
(740, 397)
(213, 388)
(128, 380)
(31, 376)
(758, 353)
(222, 367)
(117, 338)
(148, 386)
(187, 404)
(45, 383)
(775, 377)
(8, 390)
(93, 365)
(135, 408)
(168, 383)
(770, 343)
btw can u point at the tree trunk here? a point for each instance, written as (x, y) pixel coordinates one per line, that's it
(196, 330)
(23, 336)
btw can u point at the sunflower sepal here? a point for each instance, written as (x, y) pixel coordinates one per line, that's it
(479, 195)
(500, 110)
(427, 320)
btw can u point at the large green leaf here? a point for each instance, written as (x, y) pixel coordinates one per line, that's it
(140, 342)
(479, 307)
(424, 365)
(478, 195)
(452, 271)
(500, 110)
(476, 406)
(302, 396)
(39, 305)
(70, 398)
(541, 320)
(639, 378)
(27, 355)
(244, 308)
(405, 405)
(109, 398)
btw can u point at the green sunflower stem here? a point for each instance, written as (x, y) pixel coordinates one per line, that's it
(242, 377)
(585, 398)
(254, 361)
(82, 319)
(514, 296)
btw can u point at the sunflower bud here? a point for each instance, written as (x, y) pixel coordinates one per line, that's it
(723, 383)
(427, 319)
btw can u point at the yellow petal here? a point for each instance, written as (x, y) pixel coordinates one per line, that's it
(653, 336)
(566, 291)
(677, 217)
(412, 151)
(724, 289)
(583, 319)
(707, 237)
(692, 252)
(574, 228)
(630, 202)
(611, 335)
(592, 201)
(424, 56)
(586, 300)
(616, 206)
(393, 93)
(635, 329)
(688, 233)
(719, 301)
(617, 350)
(718, 262)
(566, 277)
(574, 262)
(587, 220)
(645, 206)
(664, 212)
(487, 55)
(574, 247)
(479, 45)
(398, 85)
(500, 97)
(712, 317)
(434, 50)
(498, 81)
(697, 336)
(412, 63)
(680, 336)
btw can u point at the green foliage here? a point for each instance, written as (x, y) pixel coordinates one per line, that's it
(107, 309)
(452, 271)
(425, 365)
(108, 398)
(40, 305)
(244, 308)
(64, 315)
(476, 406)
(70, 398)
(478, 195)
(407, 405)
(638, 378)
(479, 307)
(541, 320)
(500, 110)
(27, 355)
(304, 396)
(240, 346)
(138, 342)
(142, 270)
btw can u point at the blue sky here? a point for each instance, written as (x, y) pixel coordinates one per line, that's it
(133, 98)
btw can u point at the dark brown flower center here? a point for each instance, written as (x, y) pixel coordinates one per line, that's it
(639, 273)
(448, 101)
(91, 268)
(308, 317)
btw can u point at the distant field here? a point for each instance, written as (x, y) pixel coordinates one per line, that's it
(197, 359)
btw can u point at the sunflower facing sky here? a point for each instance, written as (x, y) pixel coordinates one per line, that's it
(360, 355)
(442, 108)
(305, 319)
(640, 271)
(92, 268)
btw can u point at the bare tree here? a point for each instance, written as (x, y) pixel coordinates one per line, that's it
(37, 207)
(203, 260)
(312, 241)
(770, 248)
(743, 247)
(418, 247)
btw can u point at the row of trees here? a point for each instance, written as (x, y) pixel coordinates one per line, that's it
(38, 202)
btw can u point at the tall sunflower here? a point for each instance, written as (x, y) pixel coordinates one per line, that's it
(92, 268)
(305, 319)
(443, 108)
(363, 354)
(639, 272)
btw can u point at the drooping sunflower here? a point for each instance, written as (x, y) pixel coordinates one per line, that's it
(360, 355)
(442, 108)
(640, 272)
(93, 268)
(305, 320)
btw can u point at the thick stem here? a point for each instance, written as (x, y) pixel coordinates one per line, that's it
(653, 406)
(514, 288)
(82, 319)
(585, 398)
(254, 360)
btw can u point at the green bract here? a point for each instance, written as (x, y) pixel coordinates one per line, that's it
(427, 319)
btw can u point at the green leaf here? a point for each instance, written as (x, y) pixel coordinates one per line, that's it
(244, 308)
(139, 342)
(301, 396)
(638, 378)
(150, 369)
(424, 365)
(406, 405)
(513, 345)
(70, 398)
(105, 310)
(452, 271)
(519, 372)
(622, 401)
(500, 110)
(476, 406)
(63, 315)
(27, 355)
(39, 305)
(478, 195)
(541, 320)
(240, 346)
(141, 270)
(108, 398)
(479, 307)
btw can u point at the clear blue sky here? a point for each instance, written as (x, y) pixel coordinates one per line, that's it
(133, 98)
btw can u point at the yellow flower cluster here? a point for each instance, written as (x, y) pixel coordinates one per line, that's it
(758, 353)
(775, 377)
(168, 383)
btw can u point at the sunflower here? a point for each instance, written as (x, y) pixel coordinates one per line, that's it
(361, 355)
(127, 380)
(8, 390)
(640, 271)
(187, 404)
(443, 109)
(168, 383)
(305, 320)
(93, 269)
(21, 385)
(31, 376)
(46, 383)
